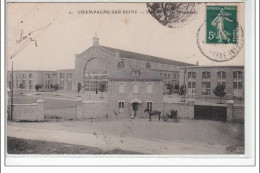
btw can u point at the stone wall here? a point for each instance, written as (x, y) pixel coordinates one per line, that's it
(29, 112)
(185, 110)
(235, 113)
(92, 109)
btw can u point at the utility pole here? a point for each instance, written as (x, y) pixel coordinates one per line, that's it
(184, 85)
(12, 93)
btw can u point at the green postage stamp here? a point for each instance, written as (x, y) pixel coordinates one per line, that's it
(221, 24)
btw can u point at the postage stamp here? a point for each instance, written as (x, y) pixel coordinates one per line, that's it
(221, 24)
(221, 37)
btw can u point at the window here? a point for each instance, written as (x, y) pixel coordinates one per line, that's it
(150, 106)
(191, 84)
(69, 79)
(121, 88)
(47, 84)
(148, 65)
(149, 88)
(61, 81)
(221, 83)
(24, 76)
(173, 76)
(205, 75)
(237, 85)
(17, 83)
(24, 84)
(205, 88)
(121, 105)
(47, 76)
(135, 72)
(191, 75)
(30, 75)
(221, 75)
(237, 75)
(135, 88)
(30, 84)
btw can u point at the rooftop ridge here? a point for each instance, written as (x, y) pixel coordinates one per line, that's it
(145, 57)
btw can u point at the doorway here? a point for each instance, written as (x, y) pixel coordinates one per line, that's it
(135, 108)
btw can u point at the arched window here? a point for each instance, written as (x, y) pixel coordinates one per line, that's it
(94, 66)
(173, 76)
(94, 74)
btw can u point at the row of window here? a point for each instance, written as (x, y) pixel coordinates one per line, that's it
(69, 81)
(148, 65)
(206, 86)
(121, 87)
(236, 85)
(220, 75)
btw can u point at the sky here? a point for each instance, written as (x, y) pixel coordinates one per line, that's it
(70, 33)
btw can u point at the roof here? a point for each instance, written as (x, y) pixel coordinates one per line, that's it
(127, 74)
(212, 66)
(143, 57)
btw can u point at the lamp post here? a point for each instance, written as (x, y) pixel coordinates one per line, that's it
(184, 85)
(12, 93)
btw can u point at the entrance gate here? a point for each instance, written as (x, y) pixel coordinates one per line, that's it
(208, 112)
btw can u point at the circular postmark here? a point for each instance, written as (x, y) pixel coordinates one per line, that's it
(173, 14)
(219, 52)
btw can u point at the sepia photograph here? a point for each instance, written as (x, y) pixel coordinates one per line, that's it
(126, 79)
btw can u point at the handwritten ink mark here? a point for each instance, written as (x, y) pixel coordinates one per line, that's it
(22, 37)
(27, 40)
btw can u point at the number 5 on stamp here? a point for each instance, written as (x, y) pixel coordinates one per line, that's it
(221, 24)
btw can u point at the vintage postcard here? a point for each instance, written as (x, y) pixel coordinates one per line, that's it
(127, 80)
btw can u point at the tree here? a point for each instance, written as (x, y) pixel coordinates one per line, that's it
(37, 87)
(102, 87)
(79, 88)
(21, 87)
(219, 91)
(169, 87)
(56, 87)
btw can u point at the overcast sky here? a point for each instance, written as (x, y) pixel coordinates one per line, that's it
(71, 33)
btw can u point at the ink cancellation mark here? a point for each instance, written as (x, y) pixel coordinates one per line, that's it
(172, 14)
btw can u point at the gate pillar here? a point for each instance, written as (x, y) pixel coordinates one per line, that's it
(230, 111)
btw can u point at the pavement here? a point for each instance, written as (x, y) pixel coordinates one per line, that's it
(83, 133)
